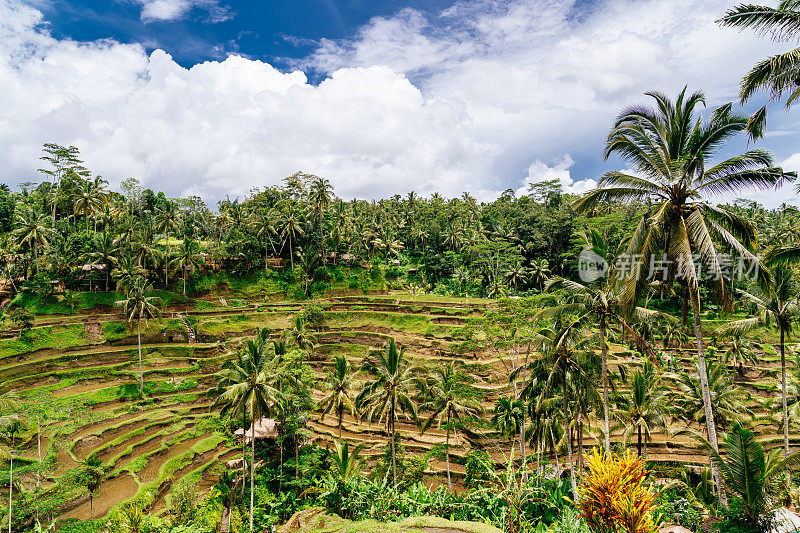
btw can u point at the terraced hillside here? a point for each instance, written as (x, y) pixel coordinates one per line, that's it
(84, 369)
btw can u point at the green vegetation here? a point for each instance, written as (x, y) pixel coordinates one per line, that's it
(412, 364)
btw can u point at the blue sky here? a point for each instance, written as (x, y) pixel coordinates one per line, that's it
(273, 31)
(215, 98)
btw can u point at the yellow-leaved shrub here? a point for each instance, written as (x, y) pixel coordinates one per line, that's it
(614, 497)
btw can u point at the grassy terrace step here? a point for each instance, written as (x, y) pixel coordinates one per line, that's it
(116, 359)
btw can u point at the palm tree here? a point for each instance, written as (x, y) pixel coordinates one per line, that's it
(643, 406)
(540, 271)
(249, 385)
(345, 461)
(509, 417)
(11, 427)
(564, 359)
(776, 74)
(780, 304)
(104, 254)
(126, 271)
(139, 306)
(92, 474)
(290, 228)
(670, 149)
(300, 334)
(751, 474)
(340, 386)
(265, 228)
(388, 391)
(450, 397)
(187, 258)
(728, 401)
(516, 275)
(167, 220)
(31, 231)
(737, 352)
(600, 303)
(87, 201)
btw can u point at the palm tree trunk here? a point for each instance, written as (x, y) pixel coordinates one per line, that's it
(341, 415)
(391, 436)
(252, 469)
(684, 306)
(166, 265)
(522, 447)
(184, 281)
(580, 441)
(783, 394)
(639, 439)
(569, 438)
(447, 454)
(604, 370)
(10, 486)
(91, 506)
(141, 373)
(244, 453)
(555, 446)
(291, 253)
(707, 407)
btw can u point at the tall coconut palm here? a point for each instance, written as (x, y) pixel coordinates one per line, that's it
(779, 304)
(389, 390)
(540, 272)
(250, 383)
(263, 223)
(139, 306)
(516, 275)
(167, 220)
(126, 270)
(643, 406)
(187, 259)
(602, 303)
(290, 228)
(777, 74)
(105, 253)
(565, 356)
(729, 402)
(450, 397)
(87, 201)
(670, 148)
(32, 231)
(340, 386)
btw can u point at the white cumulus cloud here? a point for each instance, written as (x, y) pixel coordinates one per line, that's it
(559, 171)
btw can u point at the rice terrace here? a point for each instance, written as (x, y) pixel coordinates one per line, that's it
(410, 335)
